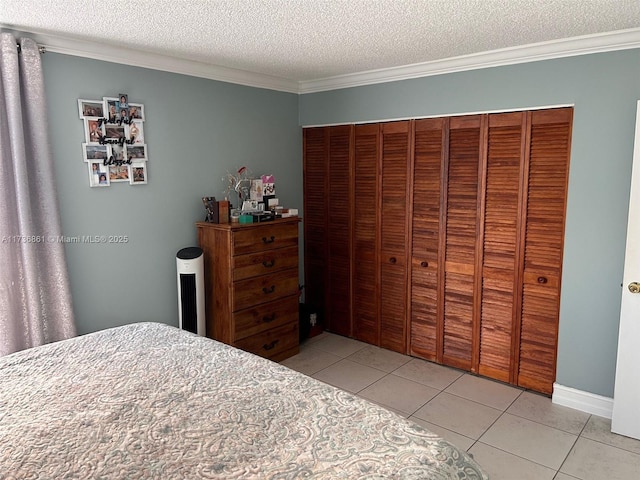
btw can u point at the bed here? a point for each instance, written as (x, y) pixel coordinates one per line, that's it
(150, 401)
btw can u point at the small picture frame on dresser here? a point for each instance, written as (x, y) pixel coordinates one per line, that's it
(211, 206)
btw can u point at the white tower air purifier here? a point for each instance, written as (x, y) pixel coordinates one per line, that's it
(190, 267)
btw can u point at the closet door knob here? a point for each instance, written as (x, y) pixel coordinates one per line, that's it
(424, 264)
(392, 260)
(542, 280)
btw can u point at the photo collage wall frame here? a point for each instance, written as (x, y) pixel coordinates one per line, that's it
(114, 148)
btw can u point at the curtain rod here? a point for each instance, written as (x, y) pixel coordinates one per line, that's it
(41, 48)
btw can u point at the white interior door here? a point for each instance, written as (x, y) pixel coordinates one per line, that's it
(626, 401)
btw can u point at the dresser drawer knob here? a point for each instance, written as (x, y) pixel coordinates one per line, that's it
(269, 318)
(269, 264)
(269, 240)
(269, 346)
(268, 290)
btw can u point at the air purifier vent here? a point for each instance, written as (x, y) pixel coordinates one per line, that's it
(188, 303)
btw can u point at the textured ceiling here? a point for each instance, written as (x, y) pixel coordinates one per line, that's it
(303, 40)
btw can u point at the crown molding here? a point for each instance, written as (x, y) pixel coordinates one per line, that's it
(584, 45)
(154, 61)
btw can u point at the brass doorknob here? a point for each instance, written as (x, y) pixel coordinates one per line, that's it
(634, 287)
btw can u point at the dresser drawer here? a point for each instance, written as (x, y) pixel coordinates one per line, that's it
(266, 288)
(263, 263)
(266, 316)
(268, 236)
(277, 343)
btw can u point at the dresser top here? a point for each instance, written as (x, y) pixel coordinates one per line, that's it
(242, 226)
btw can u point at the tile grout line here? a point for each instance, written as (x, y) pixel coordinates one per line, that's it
(573, 445)
(493, 423)
(519, 456)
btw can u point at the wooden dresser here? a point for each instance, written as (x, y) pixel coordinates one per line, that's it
(251, 283)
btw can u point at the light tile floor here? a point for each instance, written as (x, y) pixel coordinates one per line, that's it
(512, 433)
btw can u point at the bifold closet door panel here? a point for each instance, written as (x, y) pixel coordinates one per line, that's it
(429, 159)
(316, 155)
(339, 197)
(462, 216)
(366, 326)
(544, 239)
(500, 245)
(394, 172)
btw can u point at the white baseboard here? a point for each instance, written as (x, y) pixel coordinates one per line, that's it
(583, 401)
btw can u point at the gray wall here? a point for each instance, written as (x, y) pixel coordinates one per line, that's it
(196, 131)
(604, 89)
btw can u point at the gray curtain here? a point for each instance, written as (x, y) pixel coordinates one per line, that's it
(35, 299)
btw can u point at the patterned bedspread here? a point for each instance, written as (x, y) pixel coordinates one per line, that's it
(150, 401)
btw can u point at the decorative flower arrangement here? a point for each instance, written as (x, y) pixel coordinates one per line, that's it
(240, 183)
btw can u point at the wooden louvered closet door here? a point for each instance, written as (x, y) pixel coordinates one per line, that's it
(500, 244)
(366, 326)
(429, 154)
(461, 202)
(316, 155)
(547, 174)
(443, 237)
(393, 206)
(339, 193)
